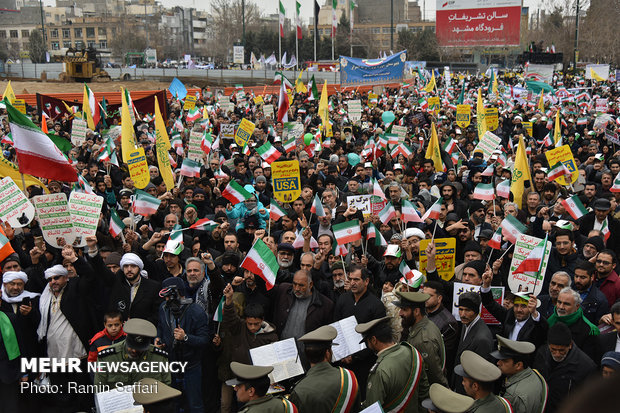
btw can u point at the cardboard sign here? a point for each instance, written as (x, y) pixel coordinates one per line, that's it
(528, 282)
(372, 97)
(244, 132)
(361, 202)
(226, 104)
(601, 105)
(355, 110)
(488, 144)
(268, 111)
(434, 104)
(401, 131)
(460, 288)
(444, 256)
(565, 155)
(194, 151)
(227, 131)
(78, 131)
(84, 210)
(294, 130)
(258, 100)
(529, 128)
(20, 104)
(463, 115)
(286, 180)
(15, 208)
(492, 117)
(54, 218)
(138, 168)
(190, 102)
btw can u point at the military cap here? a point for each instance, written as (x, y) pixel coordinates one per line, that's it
(322, 335)
(139, 333)
(475, 367)
(445, 400)
(507, 349)
(153, 391)
(365, 329)
(247, 372)
(411, 299)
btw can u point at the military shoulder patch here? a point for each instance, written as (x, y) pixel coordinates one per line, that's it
(108, 351)
(157, 350)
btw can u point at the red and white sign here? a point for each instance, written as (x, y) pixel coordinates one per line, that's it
(478, 22)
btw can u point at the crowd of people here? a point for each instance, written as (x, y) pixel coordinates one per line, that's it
(144, 296)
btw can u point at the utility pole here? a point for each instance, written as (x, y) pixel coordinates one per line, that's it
(391, 24)
(576, 54)
(243, 21)
(43, 28)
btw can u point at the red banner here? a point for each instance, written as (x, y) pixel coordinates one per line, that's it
(491, 26)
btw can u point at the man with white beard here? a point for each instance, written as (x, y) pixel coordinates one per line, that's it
(286, 257)
(24, 305)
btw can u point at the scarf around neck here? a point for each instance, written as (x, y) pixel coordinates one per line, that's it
(571, 319)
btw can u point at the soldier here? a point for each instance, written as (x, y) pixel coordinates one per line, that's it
(524, 388)
(251, 384)
(136, 348)
(397, 380)
(443, 400)
(423, 335)
(479, 376)
(155, 396)
(325, 388)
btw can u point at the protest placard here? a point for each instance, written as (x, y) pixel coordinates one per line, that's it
(445, 250)
(194, 151)
(54, 218)
(227, 131)
(361, 202)
(355, 110)
(78, 131)
(563, 154)
(488, 144)
(190, 102)
(460, 288)
(15, 208)
(463, 115)
(244, 132)
(528, 282)
(286, 180)
(268, 111)
(84, 210)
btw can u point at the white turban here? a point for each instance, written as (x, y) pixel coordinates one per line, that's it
(9, 276)
(55, 270)
(131, 258)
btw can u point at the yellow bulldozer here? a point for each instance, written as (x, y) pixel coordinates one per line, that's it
(83, 66)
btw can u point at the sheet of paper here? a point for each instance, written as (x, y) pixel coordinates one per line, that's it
(282, 355)
(373, 408)
(115, 400)
(348, 339)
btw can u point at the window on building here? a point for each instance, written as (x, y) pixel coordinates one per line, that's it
(102, 31)
(386, 30)
(77, 32)
(376, 30)
(79, 44)
(385, 42)
(55, 46)
(25, 34)
(48, 14)
(2, 34)
(54, 33)
(66, 44)
(66, 33)
(90, 32)
(90, 43)
(103, 44)
(13, 34)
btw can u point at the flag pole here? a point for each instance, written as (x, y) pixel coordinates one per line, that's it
(344, 267)
(434, 229)
(24, 185)
(269, 228)
(315, 30)
(280, 42)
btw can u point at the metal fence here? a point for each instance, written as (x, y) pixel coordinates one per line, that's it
(214, 76)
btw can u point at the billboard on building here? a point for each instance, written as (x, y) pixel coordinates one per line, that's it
(356, 72)
(478, 22)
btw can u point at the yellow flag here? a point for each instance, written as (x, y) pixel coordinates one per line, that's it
(541, 102)
(433, 151)
(324, 105)
(494, 88)
(8, 168)
(520, 173)
(557, 132)
(300, 86)
(127, 134)
(86, 110)
(8, 93)
(593, 75)
(205, 112)
(162, 146)
(431, 85)
(480, 116)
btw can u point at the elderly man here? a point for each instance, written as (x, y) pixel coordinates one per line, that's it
(131, 293)
(24, 305)
(286, 258)
(204, 290)
(559, 281)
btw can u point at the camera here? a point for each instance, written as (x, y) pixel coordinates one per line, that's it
(174, 301)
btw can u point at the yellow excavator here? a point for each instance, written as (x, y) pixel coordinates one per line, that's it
(83, 66)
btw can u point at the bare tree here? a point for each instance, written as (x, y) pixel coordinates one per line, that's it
(228, 21)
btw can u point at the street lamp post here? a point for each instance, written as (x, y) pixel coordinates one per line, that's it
(576, 51)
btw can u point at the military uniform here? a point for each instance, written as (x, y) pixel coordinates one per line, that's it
(118, 353)
(266, 404)
(490, 404)
(319, 391)
(425, 337)
(476, 368)
(443, 400)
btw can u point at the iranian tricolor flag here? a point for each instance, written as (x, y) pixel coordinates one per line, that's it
(206, 142)
(450, 145)
(412, 278)
(485, 192)
(289, 145)
(275, 211)
(503, 189)
(190, 168)
(346, 232)
(219, 311)
(387, 213)
(283, 104)
(557, 170)
(116, 224)
(193, 115)
(204, 224)
(268, 152)
(376, 189)
(496, 240)
(334, 17)
(605, 230)
(534, 259)
(235, 193)
(317, 207)
(488, 171)
(313, 91)
(511, 227)
(261, 261)
(616, 186)
(36, 153)
(574, 207)
(145, 204)
(281, 16)
(373, 232)
(408, 212)
(92, 106)
(298, 19)
(434, 210)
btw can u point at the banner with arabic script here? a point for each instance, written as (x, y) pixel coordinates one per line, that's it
(354, 72)
(478, 22)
